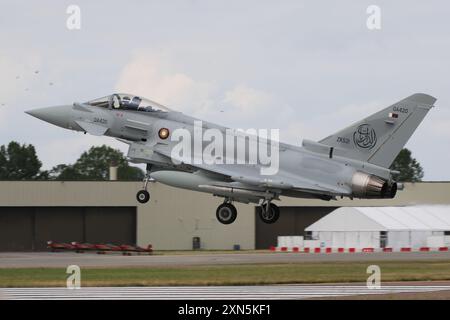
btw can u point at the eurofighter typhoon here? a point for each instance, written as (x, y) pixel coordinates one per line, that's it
(249, 167)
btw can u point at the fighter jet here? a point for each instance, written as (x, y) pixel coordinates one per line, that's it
(353, 162)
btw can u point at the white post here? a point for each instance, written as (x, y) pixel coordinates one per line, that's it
(113, 172)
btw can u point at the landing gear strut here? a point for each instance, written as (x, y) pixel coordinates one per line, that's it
(226, 213)
(269, 212)
(143, 196)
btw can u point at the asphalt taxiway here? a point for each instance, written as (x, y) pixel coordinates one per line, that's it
(63, 259)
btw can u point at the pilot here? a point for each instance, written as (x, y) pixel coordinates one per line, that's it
(134, 104)
(131, 104)
(125, 102)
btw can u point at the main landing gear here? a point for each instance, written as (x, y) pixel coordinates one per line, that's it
(143, 196)
(269, 212)
(226, 213)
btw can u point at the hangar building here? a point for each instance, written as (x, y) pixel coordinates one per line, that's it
(381, 227)
(33, 212)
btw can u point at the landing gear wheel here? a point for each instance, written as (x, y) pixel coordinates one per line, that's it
(269, 213)
(143, 196)
(226, 213)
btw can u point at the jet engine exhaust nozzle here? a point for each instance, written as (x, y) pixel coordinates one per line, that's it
(369, 186)
(392, 191)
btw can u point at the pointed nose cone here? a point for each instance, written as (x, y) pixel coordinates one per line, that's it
(60, 116)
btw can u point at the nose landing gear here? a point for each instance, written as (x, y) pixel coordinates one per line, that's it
(143, 196)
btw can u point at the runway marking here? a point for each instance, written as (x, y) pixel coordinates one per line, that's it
(205, 293)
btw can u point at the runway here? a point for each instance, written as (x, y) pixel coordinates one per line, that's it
(274, 292)
(63, 259)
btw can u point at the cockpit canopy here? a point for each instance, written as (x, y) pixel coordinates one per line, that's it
(124, 101)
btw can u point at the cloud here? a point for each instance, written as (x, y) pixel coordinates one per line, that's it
(151, 75)
(157, 76)
(247, 99)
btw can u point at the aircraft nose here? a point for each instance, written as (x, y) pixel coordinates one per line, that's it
(58, 115)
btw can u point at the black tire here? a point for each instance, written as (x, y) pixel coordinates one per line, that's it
(271, 216)
(226, 213)
(143, 196)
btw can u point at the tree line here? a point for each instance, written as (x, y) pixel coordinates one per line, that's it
(20, 162)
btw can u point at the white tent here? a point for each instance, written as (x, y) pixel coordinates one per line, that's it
(375, 227)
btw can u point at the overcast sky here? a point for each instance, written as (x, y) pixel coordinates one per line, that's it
(308, 68)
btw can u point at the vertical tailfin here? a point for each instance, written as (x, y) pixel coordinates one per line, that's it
(379, 138)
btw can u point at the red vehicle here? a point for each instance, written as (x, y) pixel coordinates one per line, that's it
(128, 249)
(103, 248)
(99, 248)
(81, 247)
(55, 246)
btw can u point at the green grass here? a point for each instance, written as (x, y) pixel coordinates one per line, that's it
(328, 272)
